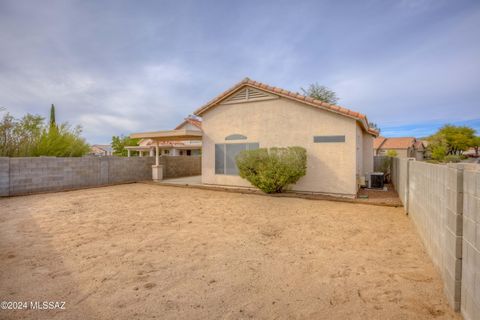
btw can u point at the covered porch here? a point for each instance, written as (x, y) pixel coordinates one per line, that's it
(161, 138)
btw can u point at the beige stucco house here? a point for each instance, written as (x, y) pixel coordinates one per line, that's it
(101, 150)
(339, 142)
(405, 147)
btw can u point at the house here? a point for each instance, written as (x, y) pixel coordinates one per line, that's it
(172, 148)
(406, 147)
(250, 115)
(101, 150)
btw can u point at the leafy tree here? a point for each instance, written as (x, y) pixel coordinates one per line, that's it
(450, 140)
(476, 144)
(321, 93)
(53, 123)
(438, 152)
(61, 141)
(18, 137)
(30, 136)
(272, 170)
(392, 153)
(120, 142)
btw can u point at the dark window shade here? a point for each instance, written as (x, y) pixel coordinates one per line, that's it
(232, 151)
(220, 158)
(326, 139)
(225, 156)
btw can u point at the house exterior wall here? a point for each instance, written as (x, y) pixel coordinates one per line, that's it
(189, 126)
(331, 167)
(367, 153)
(359, 151)
(401, 153)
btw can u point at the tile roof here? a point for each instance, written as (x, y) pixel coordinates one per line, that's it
(378, 142)
(394, 143)
(291, 95)
(194, 122)
(104, 147)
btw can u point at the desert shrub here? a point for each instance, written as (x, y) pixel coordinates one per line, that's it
(392, 153)
(453, 158)
(272, 170)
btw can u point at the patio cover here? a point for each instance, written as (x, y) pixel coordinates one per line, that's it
(169, 135)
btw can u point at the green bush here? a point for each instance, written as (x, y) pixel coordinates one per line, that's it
(272, 170)
(392, 153)
(453, 158)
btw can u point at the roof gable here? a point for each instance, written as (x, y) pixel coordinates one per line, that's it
(193, 122)
(278, 92)
(248, 94)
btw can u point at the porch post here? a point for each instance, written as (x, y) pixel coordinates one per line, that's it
(128, 153)
(140, 153)
(157, 169)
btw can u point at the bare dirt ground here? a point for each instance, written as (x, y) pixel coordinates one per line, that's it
(141, 251)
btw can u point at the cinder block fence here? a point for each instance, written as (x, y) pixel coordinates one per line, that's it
(444, 204)
(31, 175)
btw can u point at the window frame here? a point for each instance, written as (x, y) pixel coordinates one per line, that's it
(223, 147)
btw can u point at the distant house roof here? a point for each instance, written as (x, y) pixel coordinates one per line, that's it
(419, 145)
(104, 147)
(192, 121)
(290, 95)
(394, 143)
(378, 142)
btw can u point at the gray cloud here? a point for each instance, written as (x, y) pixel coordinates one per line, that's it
(122, 66)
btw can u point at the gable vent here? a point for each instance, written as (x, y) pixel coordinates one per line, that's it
(249, 94)
(240, 95)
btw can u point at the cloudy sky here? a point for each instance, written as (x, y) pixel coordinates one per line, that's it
(117, 67)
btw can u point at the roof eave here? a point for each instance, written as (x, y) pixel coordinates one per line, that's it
(288, 95)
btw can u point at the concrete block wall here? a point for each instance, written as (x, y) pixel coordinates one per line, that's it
(400, 177)
(31, 175)
(181, 166)
(131, 169)
(435, 206)
(444, 204)
(470, 293)
(4, 176)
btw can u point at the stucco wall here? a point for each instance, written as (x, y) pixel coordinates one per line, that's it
(367, 153)
(359, 151)
(331, 167)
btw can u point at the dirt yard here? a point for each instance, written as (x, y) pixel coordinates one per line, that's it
(142, 251)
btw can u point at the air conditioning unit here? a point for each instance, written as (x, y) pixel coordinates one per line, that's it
(375, 180)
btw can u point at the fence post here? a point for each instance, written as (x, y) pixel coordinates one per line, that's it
(407, 185)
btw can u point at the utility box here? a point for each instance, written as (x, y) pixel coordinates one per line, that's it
(375, 180)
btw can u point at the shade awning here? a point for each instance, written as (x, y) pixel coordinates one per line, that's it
(138, 148)
(169, 135)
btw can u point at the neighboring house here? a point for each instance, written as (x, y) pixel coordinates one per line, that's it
(172, 148)
(406, 147)
(250, 115)
(471, 152)
(101, 150)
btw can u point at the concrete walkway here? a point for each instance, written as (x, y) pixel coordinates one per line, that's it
(196, 182)
(184, 181)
